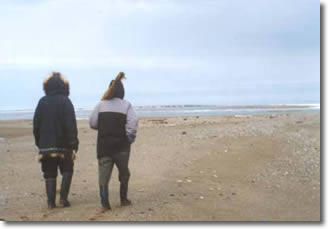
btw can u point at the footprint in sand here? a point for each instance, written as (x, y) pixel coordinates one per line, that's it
(98, 214)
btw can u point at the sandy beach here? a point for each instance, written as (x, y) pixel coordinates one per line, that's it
(215, 168)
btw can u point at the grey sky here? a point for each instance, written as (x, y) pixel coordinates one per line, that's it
(173, 52)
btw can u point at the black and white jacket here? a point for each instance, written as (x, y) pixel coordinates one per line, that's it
(117, 125)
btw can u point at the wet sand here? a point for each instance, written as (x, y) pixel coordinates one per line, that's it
(219, 168)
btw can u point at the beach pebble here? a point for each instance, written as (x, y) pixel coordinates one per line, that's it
(179, 181)
(189, 181)
(201, 172)
(225, 150)
(201, 197)
(184, 132)
(216, 176)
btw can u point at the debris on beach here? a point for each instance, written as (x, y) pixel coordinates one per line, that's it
(179, 181)
(216, 176)
(189, 181)
(184, 132)
(201, 197)
(243, 116)
(158, 121)
(24, 217)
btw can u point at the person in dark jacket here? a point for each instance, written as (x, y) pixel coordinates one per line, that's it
(55, 132)
(116, 122)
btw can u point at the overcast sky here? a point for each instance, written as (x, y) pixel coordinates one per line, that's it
(173, 51)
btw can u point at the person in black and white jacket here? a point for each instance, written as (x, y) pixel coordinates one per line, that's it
(117, 124)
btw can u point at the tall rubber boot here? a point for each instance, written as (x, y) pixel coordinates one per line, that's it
(51, 192)
(124, 195)
(103, 190)
(64, 190)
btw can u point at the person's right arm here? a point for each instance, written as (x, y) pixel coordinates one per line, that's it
(131, 124)
(71, 125)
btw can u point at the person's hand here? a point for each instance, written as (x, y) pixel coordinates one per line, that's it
(76, 149)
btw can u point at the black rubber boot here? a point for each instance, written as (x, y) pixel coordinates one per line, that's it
(124, 195)
(51, 192)
(64, 190)
(104, 197)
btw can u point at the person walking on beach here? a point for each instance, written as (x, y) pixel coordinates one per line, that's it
(117, 124)
(55, 132)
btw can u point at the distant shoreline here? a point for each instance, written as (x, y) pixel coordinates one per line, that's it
(182, 110)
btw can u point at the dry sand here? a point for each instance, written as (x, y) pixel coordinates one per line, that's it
(222, 168)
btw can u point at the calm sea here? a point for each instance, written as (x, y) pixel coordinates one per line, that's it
(181, 110)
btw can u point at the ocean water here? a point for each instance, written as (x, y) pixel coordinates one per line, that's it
(181, 110)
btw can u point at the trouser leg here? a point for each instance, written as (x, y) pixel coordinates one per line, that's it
(49, 168)
(122, 161)
(66, 169)
(51, 192)
(105, 166)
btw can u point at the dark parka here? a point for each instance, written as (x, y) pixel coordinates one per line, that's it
(54, 123)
